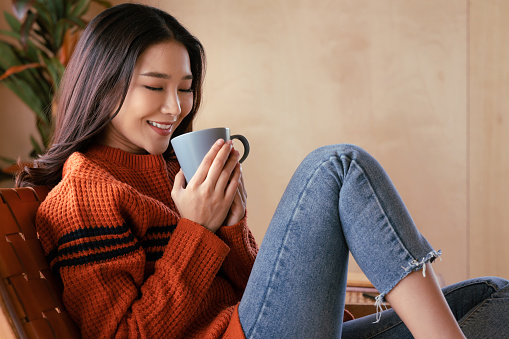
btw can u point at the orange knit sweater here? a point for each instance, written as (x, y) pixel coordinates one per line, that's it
(131, 267)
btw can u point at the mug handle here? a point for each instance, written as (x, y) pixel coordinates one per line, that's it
(245, 143)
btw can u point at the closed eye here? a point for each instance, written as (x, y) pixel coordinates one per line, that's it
(189, 90)
(156, 89)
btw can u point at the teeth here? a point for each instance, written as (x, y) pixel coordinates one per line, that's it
(161, 126)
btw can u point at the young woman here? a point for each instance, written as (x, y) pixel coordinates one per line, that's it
(142, 254)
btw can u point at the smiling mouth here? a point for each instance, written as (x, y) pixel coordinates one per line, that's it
(161, 126)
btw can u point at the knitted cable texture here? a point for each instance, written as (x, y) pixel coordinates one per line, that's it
(131, 267)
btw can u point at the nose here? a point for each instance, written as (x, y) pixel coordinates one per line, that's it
(172, 105)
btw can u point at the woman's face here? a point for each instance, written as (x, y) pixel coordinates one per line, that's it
(158, 98)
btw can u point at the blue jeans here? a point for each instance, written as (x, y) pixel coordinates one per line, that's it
(480, 305)
(339, 200)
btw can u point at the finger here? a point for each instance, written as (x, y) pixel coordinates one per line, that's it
(179, 183)
(180, 180)
(240, 197)
(227, 172)
(223, 163)
(216, 167)
(233, 184)
(203, 169)
(237, 203)
(242, 185)
(242, 193)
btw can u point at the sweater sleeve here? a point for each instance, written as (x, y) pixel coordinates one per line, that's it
(90, 240)
(243, 250)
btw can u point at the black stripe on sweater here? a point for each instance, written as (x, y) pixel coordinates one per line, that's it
(83, 236)
(159, 242)
(91, 245)
(99, 247)
(161, 229)
(96, 257)
(90, 232)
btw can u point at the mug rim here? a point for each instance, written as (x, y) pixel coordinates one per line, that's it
(201, 130)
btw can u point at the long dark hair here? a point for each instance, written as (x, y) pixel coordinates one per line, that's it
(97, 78)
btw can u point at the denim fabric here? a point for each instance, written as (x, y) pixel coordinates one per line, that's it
(480, 305)
(339, 200)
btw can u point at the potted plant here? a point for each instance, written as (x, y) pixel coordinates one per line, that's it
(33, 56)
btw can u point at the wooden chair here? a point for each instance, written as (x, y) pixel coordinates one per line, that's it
(30, 294)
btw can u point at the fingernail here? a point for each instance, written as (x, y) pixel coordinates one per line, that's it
(220, 142)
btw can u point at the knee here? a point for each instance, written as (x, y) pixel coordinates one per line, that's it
(499, 284)
(349, 150)
(481, 287)
(494, 282)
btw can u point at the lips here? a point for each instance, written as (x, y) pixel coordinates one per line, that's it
(159, 125)
(161, 128)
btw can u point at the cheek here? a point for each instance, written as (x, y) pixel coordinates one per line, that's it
(186, 105)
(118, 124)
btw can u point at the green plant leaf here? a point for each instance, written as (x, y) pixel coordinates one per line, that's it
(44, 132)
(12, 21)
(50, 7)
(40, 29)
(80, 8)
(21, 7)
(46, 26)
(61, 7)
(76, 22)
(26, 27)
(37, 147)
(30, 54)
(58, 34)
(14, 35)
(27, 95)
(8, 56)
(55, 69)
(24, 84)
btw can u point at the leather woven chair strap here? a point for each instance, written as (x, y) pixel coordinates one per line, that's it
(31, 293)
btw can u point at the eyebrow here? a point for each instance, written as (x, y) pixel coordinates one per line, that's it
(165, 76)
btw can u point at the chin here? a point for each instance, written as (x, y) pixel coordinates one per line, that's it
(156, 150)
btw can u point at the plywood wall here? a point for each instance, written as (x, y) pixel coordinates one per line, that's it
(389, 76)
(489, 138)
(419, 84)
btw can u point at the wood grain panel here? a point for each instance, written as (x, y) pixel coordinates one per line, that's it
(389, 76)
(489, 138)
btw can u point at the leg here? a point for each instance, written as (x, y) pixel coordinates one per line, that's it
(488, 318)
(428, 306)
(339, 199)
(479, 305)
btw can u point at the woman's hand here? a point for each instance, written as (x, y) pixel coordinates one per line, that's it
(208, 199)
(238, 209)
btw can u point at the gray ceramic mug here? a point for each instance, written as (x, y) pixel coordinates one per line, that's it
(190, 148)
